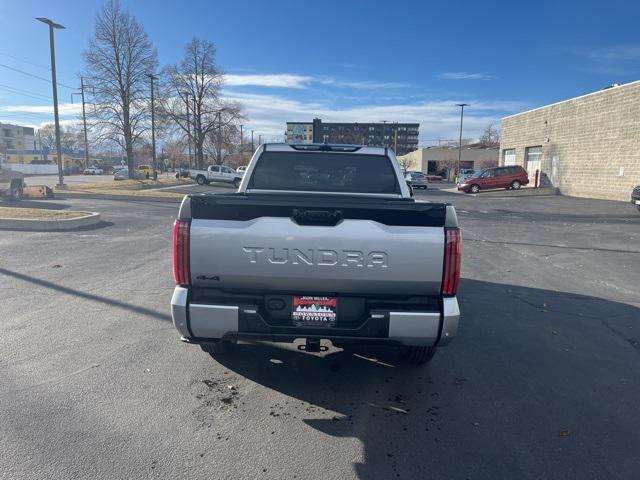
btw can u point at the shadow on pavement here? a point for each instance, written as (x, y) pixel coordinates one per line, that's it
(533, 387)
(87, 296)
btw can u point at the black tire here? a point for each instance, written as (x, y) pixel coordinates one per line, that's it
(16, 191)
(219, 347)
(200, 180)
(418, 355)
(474, 188)
(515, 185)
(236, 182)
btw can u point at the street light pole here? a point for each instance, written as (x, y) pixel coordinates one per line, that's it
(260, 139)
(461, 105)
(52, 48)
(252, 149)
(152, 77)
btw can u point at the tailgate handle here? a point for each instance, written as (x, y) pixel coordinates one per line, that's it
(328, 218)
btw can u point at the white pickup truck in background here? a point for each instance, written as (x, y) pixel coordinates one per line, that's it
(216, 173)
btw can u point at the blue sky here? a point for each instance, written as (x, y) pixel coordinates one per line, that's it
(348, 61)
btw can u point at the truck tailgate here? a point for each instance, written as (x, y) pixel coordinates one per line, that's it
(317, 245)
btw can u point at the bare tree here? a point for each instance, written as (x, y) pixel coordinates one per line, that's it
(490, 136)
(47, 135)
(70, 137)
(117, 60)
(405, 162)
(224, 141)
(191, 98)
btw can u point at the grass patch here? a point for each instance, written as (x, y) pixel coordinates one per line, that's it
(128, 185)
(130, 193)
(39, 214)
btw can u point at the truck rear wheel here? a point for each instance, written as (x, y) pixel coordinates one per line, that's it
(200, 180)
(219, 347)
(418, 355)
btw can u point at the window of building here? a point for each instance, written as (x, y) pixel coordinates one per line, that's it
(371, 129)
(533, 154)
(509, 156)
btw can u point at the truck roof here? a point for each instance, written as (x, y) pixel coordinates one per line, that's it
(326, 147)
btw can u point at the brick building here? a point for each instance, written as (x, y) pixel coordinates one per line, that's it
(403, 137)
(588, 146)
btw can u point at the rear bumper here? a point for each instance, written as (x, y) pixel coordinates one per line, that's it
(201, 323)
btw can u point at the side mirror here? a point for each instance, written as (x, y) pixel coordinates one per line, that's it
(410, 188)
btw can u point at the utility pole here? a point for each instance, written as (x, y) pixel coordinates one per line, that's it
(84, 122)
(260, 139)
(461, 105)
(395, 140)
(186, 97)
(52, 48)
(152, 77)
(241, 145)
(219, 137)
(252, 148)
(196, 134)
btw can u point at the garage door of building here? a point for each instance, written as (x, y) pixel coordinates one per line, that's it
(509, 156)
(533, 162)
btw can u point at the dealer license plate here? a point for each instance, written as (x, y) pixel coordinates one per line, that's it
(637, 202)
(314, 311)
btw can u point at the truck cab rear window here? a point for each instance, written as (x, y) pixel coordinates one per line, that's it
(324, 172)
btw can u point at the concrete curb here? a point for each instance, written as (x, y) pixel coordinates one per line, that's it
(91, 218)
(523, 192)
(98, 196)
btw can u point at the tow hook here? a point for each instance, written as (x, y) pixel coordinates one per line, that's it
(312, 345)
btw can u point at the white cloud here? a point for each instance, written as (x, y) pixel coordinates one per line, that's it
(467, 76)
(285, 80)
(281, 80)
(269, 113)
(613, 60)
(63, 109)
(363, 84)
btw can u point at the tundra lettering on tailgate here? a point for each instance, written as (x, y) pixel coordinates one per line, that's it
(320, 257)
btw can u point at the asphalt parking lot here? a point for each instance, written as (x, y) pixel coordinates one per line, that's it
(542, 381)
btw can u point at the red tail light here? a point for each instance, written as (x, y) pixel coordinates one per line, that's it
(181, 252)
(452, 261)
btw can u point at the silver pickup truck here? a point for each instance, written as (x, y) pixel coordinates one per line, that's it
(319, 242)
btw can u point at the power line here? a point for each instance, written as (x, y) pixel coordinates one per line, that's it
(43, 67)
(35, 76)
(26, 93)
